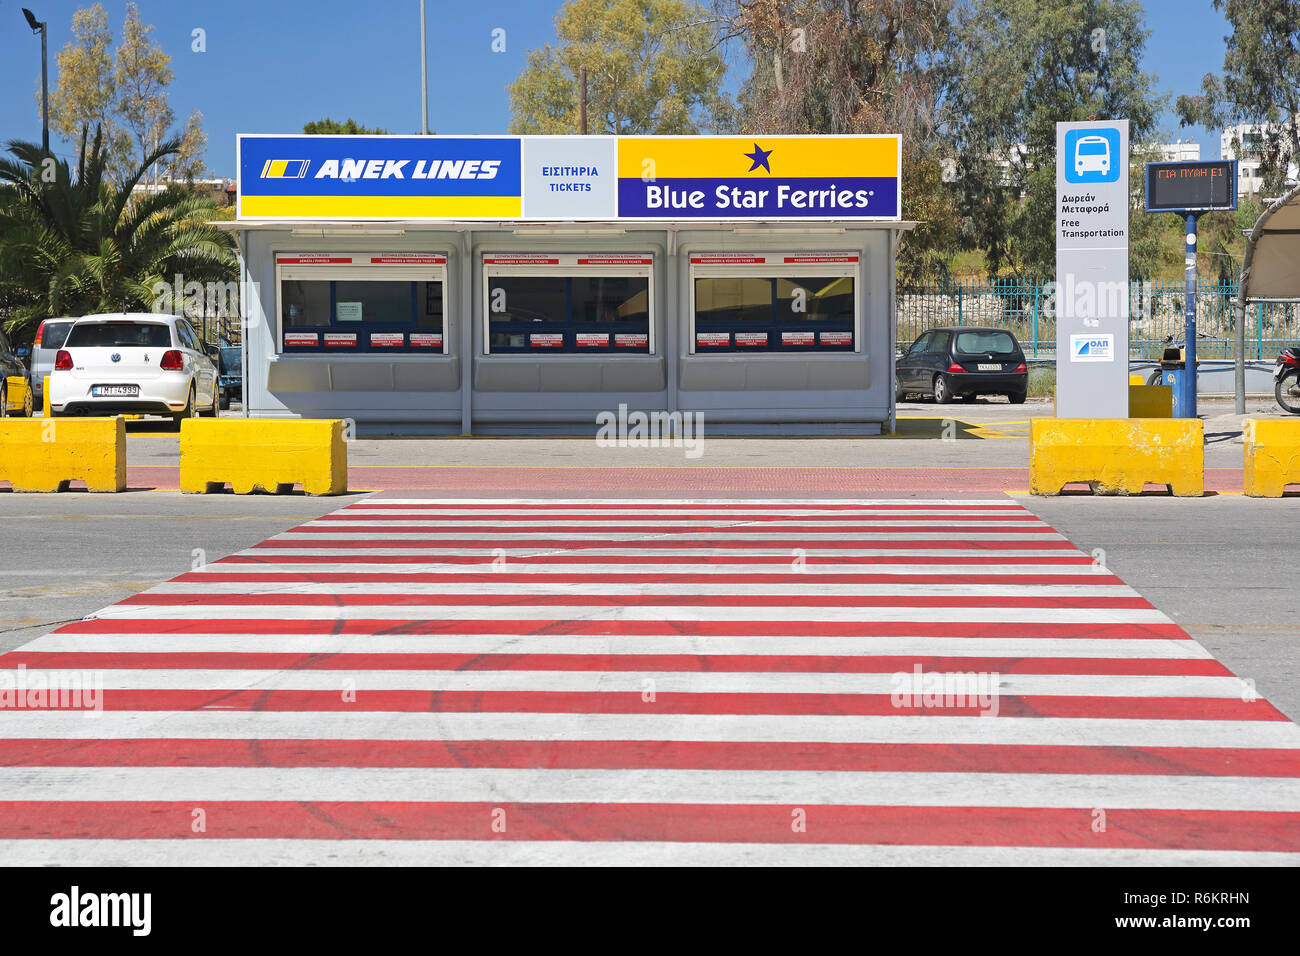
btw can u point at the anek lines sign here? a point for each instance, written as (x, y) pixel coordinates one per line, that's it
(570, 177)
(379, 177)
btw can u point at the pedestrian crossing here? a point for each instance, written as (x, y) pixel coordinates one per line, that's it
(593, 682)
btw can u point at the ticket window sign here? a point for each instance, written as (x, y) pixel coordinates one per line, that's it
(774, 302)
(1187, 187)
(362, 303)
(568, 303)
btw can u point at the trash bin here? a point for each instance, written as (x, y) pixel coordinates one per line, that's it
(1173, 372)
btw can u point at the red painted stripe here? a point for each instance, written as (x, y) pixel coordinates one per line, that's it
(646, 755)
(640, 544)
(533, 577)
(690, 663)
(661, 559)
(627, 600)
(360, 626)
(704, 823)
(755, 506)
(598, 522)
(631, 702)
(597, 527)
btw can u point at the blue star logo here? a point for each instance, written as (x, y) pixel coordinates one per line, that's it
(759, 156)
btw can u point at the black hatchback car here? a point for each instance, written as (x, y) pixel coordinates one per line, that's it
(963, 362)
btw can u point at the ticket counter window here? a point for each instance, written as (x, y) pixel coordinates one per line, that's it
(774, 303)
(380, 308)
(568, 305)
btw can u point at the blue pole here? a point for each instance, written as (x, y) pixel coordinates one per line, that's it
(1188, 404)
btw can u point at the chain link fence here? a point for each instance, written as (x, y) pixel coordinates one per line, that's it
(1156, 311)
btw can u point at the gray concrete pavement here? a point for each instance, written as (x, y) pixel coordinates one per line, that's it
(65, 556)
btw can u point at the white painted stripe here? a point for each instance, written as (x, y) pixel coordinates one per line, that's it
(664, 682)
(659, 524)
(211, 851)
(648, 587)
(1007, 616)
(451, 643)
(472, 535)
(796, 787)
(340, 725)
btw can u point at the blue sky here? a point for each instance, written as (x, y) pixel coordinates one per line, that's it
(272, 65)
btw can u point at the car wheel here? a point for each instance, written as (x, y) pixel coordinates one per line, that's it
(190, 410)
(27, 404)
(1016, 398)
(1156, 378)
(942, 390)
(4, 399)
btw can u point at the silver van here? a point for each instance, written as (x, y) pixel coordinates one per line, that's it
(50, 336)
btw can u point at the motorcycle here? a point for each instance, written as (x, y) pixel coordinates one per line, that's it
(1286, 380)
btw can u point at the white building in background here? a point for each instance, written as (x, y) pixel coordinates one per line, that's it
(1178, 151)
(1245, 143)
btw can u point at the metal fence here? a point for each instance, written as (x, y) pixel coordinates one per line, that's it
(1156, 310)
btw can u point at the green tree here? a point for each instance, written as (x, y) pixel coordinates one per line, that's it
(1020, 68)
(1260, 82)
(824, 66)
(349, 128)
(652, 68)
(121, 91)
(79, 244)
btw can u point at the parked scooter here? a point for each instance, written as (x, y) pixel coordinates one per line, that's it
(1286, 380)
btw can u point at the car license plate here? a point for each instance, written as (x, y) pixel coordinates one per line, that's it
(115, 391)
(987, 367)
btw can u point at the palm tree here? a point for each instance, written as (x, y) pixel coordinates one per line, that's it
(77, 245)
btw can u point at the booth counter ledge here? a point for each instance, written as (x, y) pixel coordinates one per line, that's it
(46, 455)
(1271, 448)
(263, 454)
(1117, 456)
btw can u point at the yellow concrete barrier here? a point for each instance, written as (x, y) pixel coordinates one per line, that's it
(1136, 379)
(45, 455)
(1117, 456)
(1272, 455)
(1150, 401)
(263, 454)
(45, 396)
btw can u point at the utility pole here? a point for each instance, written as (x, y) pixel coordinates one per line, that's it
(582, 101)
(424, 75)
(38, 26)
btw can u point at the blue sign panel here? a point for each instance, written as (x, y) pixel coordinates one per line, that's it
(380, 177)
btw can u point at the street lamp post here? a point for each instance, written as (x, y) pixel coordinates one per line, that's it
(39, 27)
(424, 75)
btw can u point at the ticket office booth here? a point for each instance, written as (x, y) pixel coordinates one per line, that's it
(776, 334)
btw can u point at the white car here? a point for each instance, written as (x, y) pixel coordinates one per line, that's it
(133, 363)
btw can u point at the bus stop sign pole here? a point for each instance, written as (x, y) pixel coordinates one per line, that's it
(1187, 401)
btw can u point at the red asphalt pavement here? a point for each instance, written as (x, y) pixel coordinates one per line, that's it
(689, 480)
